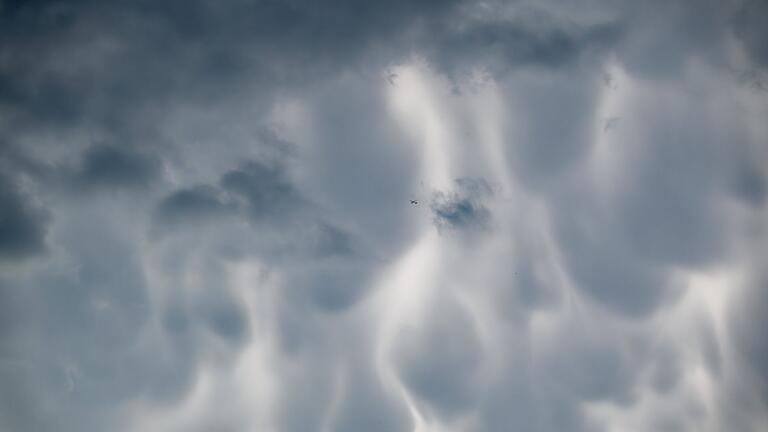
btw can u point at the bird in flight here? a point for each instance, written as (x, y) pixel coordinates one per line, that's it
(414, 202)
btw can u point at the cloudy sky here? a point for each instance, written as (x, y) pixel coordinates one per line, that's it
(206, 216)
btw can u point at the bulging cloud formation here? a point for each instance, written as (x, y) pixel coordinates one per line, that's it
(435, 216)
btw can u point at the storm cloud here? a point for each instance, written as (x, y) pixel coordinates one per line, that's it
(22, 226)
(289, 215)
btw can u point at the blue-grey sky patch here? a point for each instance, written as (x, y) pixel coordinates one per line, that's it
(463, 208)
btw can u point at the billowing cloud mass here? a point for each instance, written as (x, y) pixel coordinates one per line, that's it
(292, 215)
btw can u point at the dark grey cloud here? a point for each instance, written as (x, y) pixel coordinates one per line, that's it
(23, 225)
(191, 204)
(747, 27)
(535, 41)
(274, 42)
(254, 191)
(263, 196)
(202, 53)
(226, 319)
(266, 194)
(105, 166)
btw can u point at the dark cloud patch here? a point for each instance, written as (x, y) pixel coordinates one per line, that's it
(538, 40)
(264, 191)
(464, 208)
(144, 54)
(149, 56)
(266, 198)
(75, 173)
(460, 213)
(108, 166)
(227, 321)
(44, 13)
(747, 22)
(197, 203)
(23, 226)
(257, 192)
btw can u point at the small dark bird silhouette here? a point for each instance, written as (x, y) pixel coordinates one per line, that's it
(414, 202)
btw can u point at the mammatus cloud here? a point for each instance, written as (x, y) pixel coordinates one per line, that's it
(206, 218)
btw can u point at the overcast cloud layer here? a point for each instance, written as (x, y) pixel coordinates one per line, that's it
(292, 215)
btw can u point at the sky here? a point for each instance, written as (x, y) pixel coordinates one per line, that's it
(428, 216)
